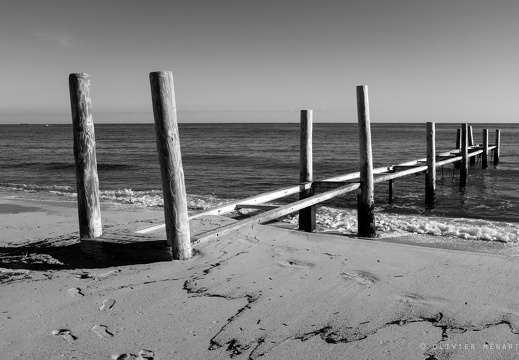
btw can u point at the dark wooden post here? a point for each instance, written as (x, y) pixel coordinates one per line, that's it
(170, 159)
(391, 190)
(471, 143)
(365, 198)
(484, 157)
(497, 148)
(464, 167)
(87, 182)
(458, 146)
(430, 175)
(307, 218)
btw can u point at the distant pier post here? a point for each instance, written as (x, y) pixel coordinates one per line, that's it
(168, 146)
(471, 143)
(391, 189)
(498, 144)
(484, 157)
(458, 146)
(307, 216)
(464, 166)
(365, 198)
(430, 175)
(87, 182)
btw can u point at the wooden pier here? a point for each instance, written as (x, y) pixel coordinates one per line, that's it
(178, 243)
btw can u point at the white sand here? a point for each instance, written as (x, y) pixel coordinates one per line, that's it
(261, 292)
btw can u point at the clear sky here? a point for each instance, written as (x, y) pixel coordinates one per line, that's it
(423, 60)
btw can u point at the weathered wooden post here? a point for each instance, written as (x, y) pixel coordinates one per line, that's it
(464, 166)
(458, 146)
(471, 143)
(170, 159)
(87, 182)
(365, 198)
(391, 190)
(484, 157)
(307, 218)
(430, 175)
(497, 148)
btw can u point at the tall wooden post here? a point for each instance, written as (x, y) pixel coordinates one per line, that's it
(307, 216)
(484, 157)
(458, 146)
(464, 166)
(87, 182)
(471, 143)
(497, 148)
(430, 175)
(365, 198)
(170, 159)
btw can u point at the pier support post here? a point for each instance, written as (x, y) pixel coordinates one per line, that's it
(307, 216)
(430, 175)
(497, 148)
(87, 182)
(458, 146)
(471, 143)
(391, 190)
(484, 157)
(168, 146)
(365, 198)
(464, 166)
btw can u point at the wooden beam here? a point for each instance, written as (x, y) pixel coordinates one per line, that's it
(307, 216)
(276, 213)
(497, 147)
(254, 206)
(170, 159)
(87, 182)
(365, 198)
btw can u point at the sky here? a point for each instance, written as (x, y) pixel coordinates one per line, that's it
(423, 60)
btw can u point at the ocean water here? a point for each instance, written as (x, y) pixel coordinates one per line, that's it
(227, 161)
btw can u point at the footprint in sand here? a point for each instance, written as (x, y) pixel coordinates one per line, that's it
(76, 292)
(295, 264)
(107, 304)
(66, 334)
(360, 277)
(143, 355)
(102, 331)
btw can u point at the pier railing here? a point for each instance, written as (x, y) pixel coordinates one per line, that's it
(175, 202)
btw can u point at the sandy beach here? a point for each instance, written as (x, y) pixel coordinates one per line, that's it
(261, 292)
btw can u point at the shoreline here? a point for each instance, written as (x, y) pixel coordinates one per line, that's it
(263, 291)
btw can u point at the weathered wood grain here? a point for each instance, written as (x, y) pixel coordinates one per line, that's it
(87, 182)
(307, 216)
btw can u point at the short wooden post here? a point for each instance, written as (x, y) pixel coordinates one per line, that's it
(497, 148)
(391, 190)
(430, 175)
(307, 216)
(464, 167)
(484, 157)
(170, 159)
(458, 146)
(471, 143)
(87, 182)
(365, 198)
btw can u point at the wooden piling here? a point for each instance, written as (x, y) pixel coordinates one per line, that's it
(307, 216)
(464, 166)
(365, 198)
(458, 146)
(87, 182)
(430, 175)
(168, 146)
(471, 143)
(497, 148)
(484, 157)
(391, 190)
